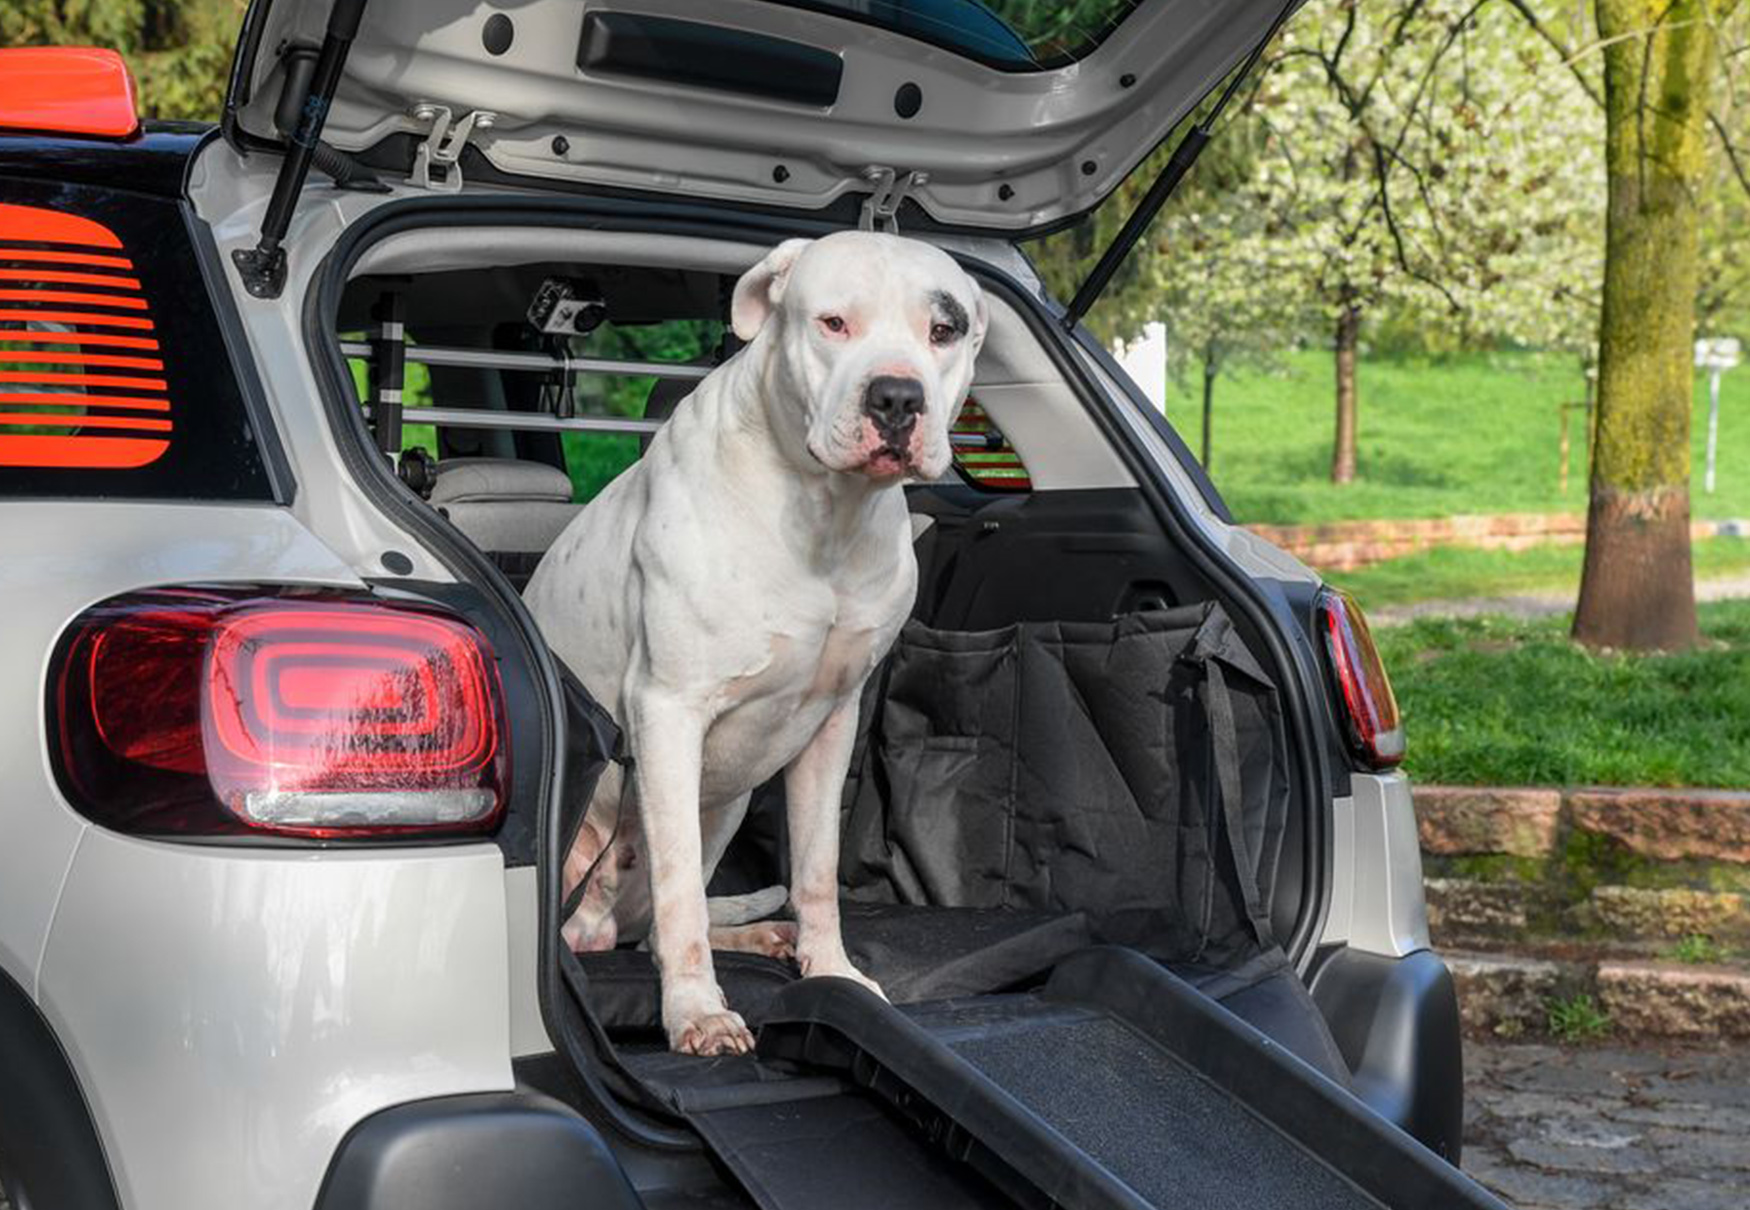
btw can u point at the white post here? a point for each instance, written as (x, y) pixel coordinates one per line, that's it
(1716, 356)
(1713, 426)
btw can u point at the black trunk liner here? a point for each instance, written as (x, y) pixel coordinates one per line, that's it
(915, 953)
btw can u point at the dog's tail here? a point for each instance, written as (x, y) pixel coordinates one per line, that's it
(727, 911)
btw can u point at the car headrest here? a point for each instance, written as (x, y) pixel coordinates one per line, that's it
(484, 480)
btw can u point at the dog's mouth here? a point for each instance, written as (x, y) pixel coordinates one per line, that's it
(887, 462)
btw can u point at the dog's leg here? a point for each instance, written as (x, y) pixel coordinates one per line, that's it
(592, 925)
(813, 784)
(669, 738)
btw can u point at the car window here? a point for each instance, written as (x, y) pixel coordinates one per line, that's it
(1012, 35)
(116, 378)
(983, 455)
(591, 459)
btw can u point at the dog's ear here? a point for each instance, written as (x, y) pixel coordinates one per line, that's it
(980, 314)
(762, 287)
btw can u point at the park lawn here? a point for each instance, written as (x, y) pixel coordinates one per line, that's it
(1467, 433)
(1451, 572)
(1497, 701)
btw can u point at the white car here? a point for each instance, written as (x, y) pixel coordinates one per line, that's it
(288, 769)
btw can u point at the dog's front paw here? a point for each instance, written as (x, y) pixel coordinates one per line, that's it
(698, 1022)
(718, 1033)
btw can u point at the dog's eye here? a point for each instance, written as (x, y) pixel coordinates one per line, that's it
(942, 334)
(833, 323)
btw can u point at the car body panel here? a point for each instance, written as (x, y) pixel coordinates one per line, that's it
(57, 558)
(197, 994)
(228, 192)
(232, 1013)
(1377, 905)
(153, 162)
(1001, 150)
(522, 911)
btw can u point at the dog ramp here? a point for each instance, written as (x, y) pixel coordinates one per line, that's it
(1118, 1086)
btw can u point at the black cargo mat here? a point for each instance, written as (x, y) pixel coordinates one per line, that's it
(1118, 1086)
(915, 953)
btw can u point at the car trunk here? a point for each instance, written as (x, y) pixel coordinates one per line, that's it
(1076, 832)
(1083, 835)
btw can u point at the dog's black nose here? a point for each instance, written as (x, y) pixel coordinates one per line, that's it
(893, 402)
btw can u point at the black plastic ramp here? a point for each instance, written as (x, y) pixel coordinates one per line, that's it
(1119, 1086)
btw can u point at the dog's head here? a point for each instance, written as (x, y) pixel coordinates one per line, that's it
(868, 343)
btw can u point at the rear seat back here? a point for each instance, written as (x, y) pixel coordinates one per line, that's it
(513, 510)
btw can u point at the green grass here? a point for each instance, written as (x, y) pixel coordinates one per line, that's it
(1577, 1018)
(1461, 571)
(1699, 949)
(1470, 433)
(1493, 701)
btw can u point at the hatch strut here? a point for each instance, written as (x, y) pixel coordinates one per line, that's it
(263, 267)
(1178, 164)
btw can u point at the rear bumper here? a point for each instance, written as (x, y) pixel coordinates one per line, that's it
(1396, 1023)
(517, 1149)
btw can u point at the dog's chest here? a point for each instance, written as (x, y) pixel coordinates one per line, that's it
(765, 719)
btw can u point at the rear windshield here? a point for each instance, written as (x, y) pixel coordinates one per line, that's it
(1013, 35)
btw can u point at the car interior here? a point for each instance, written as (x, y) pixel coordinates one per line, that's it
(1072, 746)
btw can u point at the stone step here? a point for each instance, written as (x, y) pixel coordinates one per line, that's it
(1661, 1000)
(1692, 826)
(1474, 913)
(1505, 995)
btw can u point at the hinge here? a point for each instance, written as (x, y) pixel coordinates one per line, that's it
(443, 145)
(881, 207)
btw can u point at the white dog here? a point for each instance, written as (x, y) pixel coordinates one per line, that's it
(727, 597)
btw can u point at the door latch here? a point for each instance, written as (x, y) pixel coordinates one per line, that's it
(442, 147)
(881, 207)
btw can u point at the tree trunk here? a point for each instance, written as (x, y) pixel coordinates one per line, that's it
(1637, 590)
(1211, 368)
(1348, 338)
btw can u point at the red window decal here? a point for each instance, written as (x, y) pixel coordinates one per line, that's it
(62, 403)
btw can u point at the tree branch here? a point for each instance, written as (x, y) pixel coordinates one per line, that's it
(1732, 155)
(1523, 8)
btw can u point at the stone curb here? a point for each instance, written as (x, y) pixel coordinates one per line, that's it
(1670, 913)
(1510, 996)
(1675, 1002)
(1464, 820)
(1661, 825)
(1347, 545)
(1669, 825)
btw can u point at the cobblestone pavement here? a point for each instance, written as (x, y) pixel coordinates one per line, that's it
(1552, 1128)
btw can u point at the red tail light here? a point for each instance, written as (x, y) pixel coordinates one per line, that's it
(1375, 732)
(296, 713)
